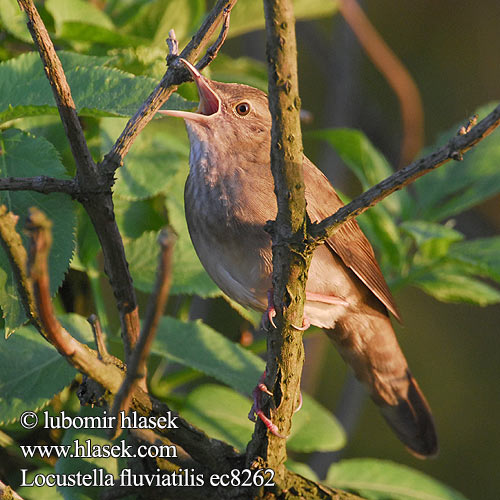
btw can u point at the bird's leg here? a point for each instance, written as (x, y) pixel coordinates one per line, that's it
(318, 297)
(326, 299)
(311, 296)
(256, 410)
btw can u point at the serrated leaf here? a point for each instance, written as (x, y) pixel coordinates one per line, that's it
(384, 480)
(248, 15)
(222, 413)
(97, 90)
(73, 464)
(32, 372)
(453, 285)
(152, 162)
(188, 275)
(25, 156)
(198, 346)
(433, 240)
(13, 20)
(481, 256)
(457, 186)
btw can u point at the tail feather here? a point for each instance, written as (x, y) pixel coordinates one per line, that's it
(367, 342)
(412, 421)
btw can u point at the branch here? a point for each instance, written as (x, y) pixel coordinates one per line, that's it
(396, 75)
(285, 355)
(7, 493)
(40, 184)
(62, 94)
(174, 76)
(136, 369)
(456, 147)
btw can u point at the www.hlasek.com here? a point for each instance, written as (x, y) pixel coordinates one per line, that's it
(100, 477)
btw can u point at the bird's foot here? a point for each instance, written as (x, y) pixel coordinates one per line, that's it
(268, 317)
(256, 410)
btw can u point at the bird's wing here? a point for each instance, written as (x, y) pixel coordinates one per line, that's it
(349, 242)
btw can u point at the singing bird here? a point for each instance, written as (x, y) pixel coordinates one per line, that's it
(229, 196)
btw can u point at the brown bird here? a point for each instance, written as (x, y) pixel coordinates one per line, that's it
(229, 196)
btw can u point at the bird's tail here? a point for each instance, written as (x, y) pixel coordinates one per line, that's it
(368, 344)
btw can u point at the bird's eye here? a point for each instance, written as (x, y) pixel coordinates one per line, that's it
(243, 108)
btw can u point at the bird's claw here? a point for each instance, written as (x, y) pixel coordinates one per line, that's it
(305, 325)
(256, 410)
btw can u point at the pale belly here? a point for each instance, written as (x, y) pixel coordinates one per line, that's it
(237, 256)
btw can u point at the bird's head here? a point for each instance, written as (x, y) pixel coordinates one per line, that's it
(228, 112)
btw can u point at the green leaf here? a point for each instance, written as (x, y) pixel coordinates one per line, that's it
(13, 20)
(458, 186)
(26, 156)
(136, 218)
(154, 19)
(32, 372)
(384, 480)
(248, 15)
(198, 346)
(451, 284)
(74, 465)
(366, 162)
(222, 413)
(188, 275)
(433, 240)
(152, 162)
(302, 469)
(370, 167)
(242, 69)
(64, 11)
(97, 90)
(481, 256)
(40, 492)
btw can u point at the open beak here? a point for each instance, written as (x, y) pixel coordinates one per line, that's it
(209, 101)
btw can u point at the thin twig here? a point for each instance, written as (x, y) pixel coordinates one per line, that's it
(136, 368)
(16, 253)
(39, 230)
(40, 184)
(99, 338)
(454, 150)
(396, 74)
(167, 86)
(8, 493)
(212, 51)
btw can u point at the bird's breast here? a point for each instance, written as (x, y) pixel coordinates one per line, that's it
(228, 232)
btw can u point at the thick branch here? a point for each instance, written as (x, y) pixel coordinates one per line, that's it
(167, 86)
(290, 259)
(453, 150)
(40, 184)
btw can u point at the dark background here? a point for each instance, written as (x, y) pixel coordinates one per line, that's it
(452, 51)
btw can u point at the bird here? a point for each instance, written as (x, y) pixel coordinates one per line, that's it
(229, 197)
